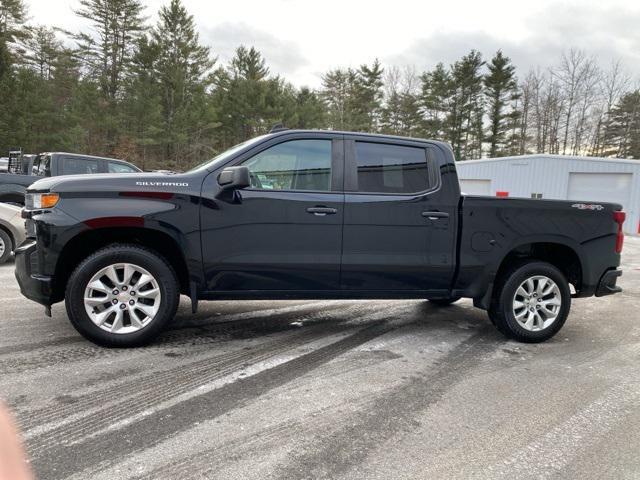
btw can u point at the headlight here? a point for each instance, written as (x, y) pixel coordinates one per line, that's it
(38, 201)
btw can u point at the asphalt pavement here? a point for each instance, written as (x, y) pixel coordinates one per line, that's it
(329, 390)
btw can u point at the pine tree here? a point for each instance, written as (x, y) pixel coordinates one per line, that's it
(500, 91)
(13, 15)
(106, 52)
(249, 64)
(308, 110)
(336, 89)
(437, 103)
(466, 107)
(366, 97)
(117, 24)
(43, 49)
(354, 97)
(622, 130)
(248, 101)
(401, 111)
(143, 109)
(183, 70)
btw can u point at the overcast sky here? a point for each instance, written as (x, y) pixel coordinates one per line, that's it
(301, 39)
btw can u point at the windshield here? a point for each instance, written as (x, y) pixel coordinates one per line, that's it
(225, 155)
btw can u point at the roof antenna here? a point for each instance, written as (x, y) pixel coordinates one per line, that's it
(278, 127)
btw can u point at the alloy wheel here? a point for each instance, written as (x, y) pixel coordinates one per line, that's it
(537, 303)
(122, 298)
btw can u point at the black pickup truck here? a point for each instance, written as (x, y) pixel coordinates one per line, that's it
(31, 168)
(307, 215)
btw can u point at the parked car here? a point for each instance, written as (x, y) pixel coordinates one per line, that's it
(304, 215)
(12, 230)
(13, 184)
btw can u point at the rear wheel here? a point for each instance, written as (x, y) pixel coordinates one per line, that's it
(122, 296)
(531, 302)
(6, 245)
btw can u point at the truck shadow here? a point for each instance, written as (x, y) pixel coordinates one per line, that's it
(237, 320)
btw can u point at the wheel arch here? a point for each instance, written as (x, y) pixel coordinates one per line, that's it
(87, 242)
(562, 254)
(12, 193)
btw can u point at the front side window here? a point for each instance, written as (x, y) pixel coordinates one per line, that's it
(391, 168)
(77, 166)
(293, 165)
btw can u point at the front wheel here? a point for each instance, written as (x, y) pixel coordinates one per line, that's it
(531, 302)
(122, 296)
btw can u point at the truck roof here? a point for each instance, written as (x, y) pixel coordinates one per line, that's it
(360, 134)
(84, 156)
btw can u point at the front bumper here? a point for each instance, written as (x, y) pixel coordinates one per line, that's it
(33, 286)
(607, 284)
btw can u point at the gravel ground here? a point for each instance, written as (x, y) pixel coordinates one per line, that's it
(330, 389)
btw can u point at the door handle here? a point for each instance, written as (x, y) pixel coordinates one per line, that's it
(435, 215)
(322, 211)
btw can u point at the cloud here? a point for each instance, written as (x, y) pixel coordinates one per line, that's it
(606, 33)
(283, 57)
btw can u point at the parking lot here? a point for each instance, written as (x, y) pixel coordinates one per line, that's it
(329, 389)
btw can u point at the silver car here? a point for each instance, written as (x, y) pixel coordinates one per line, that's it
(12, 230)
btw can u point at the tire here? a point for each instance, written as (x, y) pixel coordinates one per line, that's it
(6, 246)
(538, 315)
(444, 302)
(112, 313)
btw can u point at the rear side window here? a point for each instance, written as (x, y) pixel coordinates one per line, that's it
(41, 166)
(115, 167)
(76, 166)
(391, 168)
(293, 165)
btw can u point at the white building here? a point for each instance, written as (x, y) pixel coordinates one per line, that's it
(557, 177)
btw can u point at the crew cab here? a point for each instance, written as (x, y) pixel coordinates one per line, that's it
(308, 215)
(30, 168)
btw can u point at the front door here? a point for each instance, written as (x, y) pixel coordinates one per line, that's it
(399, 227)
(284, 233)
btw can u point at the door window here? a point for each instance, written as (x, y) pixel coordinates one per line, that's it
(76, 166)
(391, 168)
(293, 165)
(41, 166)
(115, 167)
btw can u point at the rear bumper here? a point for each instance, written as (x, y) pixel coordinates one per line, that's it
(607, 284)
(33, 286)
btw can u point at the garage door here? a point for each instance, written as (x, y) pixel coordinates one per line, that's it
(600, 187)
(475, 187)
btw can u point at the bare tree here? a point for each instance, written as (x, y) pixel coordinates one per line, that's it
(571, 75)
(586, 105)
(613, 83)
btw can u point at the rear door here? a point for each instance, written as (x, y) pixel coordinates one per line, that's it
(284, 233)
(399, 224)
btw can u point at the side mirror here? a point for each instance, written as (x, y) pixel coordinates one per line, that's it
(234, 178)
